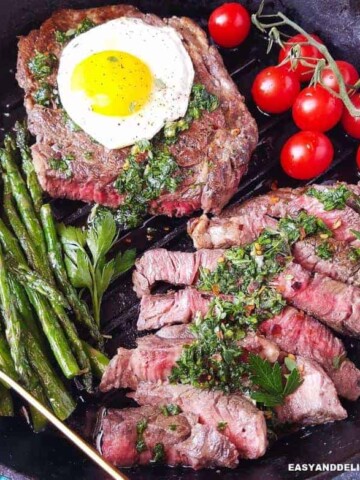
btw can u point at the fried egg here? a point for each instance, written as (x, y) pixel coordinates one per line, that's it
(123, 80)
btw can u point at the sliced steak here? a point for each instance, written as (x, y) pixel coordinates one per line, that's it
(245, 424)
(156, 355)
(300, 334)
(152, 360)
(177, 268)
(334, 303)
(224, 230)
(293, 332)
(315, 401)
(171, 308)
(183, 439)
(213, 154)
(223, 233)
(341, 266)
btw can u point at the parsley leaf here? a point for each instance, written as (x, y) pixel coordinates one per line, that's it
(85, 257)
(270, 381)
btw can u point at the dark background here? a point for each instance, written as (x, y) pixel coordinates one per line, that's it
(47, 456)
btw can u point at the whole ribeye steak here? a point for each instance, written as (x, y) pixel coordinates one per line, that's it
(211, 155)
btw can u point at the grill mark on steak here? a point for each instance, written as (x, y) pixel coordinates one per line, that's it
(292, 331)
(212, 155)
(246, 427)
(185, 441)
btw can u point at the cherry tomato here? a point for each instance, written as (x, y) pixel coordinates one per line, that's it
(316, 109)
(229, 24)
(348, 72)
(306, 155)
(358, 157)
(312, 55)
(351, 124)
(274, 89)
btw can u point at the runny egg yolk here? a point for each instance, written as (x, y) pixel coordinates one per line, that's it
(116, 83)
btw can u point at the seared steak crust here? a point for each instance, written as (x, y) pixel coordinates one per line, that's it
(213, 154)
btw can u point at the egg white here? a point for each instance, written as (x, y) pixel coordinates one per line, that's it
(161, 49)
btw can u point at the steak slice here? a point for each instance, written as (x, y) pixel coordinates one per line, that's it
(177, 268)
(245, 424)
(299, 334)
(152, 360)
(213, 154)
(292, 331)
(315, 401)
(171, 308)
(341, 266)
(224, 230)
(156, 355)
(184, 440)
(334, 303)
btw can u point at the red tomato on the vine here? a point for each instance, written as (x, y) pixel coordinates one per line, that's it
(351, 124)
(229, 24)
(316, 109)
(310, 54)
(274, 89)
(348, 72)
(306, 155)
(358, 157)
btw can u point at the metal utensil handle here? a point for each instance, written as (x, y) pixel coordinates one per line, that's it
(72, 436)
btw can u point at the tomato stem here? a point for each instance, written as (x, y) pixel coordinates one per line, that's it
(275, 36)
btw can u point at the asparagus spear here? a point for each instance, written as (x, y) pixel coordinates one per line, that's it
(36, 260)
(34, 281)
(22, 197)
(55, 335)
(57, 263)
(12, 324)
(47, 317)
(22, 141)
(6, 403)
(24, 308)
(98, 360)
(59, 398)
(6, 361)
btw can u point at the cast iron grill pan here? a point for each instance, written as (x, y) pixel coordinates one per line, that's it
(47, 456)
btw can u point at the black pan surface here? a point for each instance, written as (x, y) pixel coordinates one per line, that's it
(46, 456)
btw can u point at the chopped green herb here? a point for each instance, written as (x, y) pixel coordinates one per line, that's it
(144, 180)
(173, 427)
(44, 95)
(42, 65)
(158, 453)
(331, 198)
(354, 254)
(141, 426)
(64, 37)
(338, 360)
(70, 124)
(140, 445)
(62, 164)
(272, 385)
(170, 410)
(88, 155)
(200, 100)
(221, 426)
(324, 250)
(303, 225)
